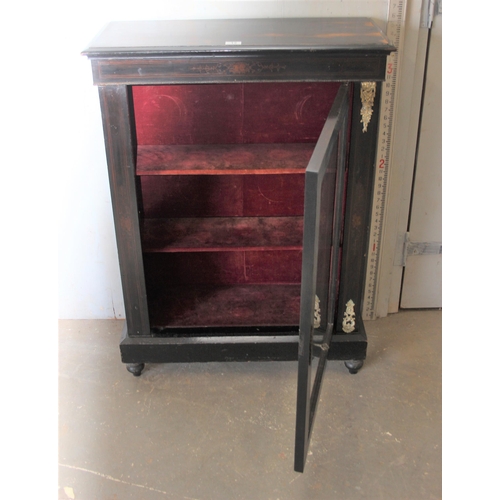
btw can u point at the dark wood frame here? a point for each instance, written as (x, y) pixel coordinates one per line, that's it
(148, 53)
(329, 156)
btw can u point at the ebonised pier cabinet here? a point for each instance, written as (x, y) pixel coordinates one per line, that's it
(241, 157)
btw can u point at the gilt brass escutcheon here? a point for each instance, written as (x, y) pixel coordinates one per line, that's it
(367, 100)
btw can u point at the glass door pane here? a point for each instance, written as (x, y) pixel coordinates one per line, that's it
(323, 216)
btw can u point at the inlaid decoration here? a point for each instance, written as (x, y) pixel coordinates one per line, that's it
(238, 68)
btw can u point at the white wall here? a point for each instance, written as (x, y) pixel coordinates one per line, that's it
(89, 282)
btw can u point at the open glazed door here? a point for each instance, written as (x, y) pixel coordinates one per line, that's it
(323, 216)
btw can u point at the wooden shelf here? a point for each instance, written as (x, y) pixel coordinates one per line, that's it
(235, 305)
(210, 234)
(223, 159)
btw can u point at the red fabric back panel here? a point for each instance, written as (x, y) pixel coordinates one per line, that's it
(240, 305)
(202, 234)
(223, 268)
(222, 195)
(234, 113)
(264, 286)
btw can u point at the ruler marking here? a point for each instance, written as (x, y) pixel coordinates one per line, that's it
(389, 90)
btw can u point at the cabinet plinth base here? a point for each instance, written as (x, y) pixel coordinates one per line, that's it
(265, 346)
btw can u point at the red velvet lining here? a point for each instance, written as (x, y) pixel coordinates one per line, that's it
(239, 305)
(240, 265)
(233, 113)
(222, 195)
(222, 234)
(223, 268)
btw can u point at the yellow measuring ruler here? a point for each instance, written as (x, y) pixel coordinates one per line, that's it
(395, 33)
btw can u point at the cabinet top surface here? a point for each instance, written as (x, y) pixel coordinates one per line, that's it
(156, 38)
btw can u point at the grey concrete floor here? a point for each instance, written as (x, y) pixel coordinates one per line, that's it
(218, 431)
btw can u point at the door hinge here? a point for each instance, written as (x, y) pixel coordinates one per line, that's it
(411, 248)
(429, 11)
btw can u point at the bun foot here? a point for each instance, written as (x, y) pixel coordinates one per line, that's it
(354, 366)
(135, 368)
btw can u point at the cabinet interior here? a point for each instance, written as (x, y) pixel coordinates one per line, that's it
(220, 174)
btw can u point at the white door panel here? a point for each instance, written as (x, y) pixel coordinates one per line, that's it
(422, 280)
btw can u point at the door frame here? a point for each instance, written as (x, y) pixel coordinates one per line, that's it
(412, 59)
(317, 319)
